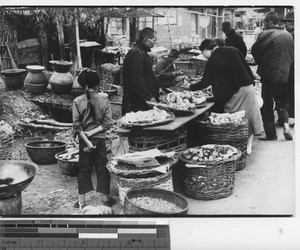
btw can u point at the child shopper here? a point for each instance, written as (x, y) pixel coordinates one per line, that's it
(91, 119)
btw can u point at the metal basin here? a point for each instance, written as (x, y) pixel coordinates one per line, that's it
(15, 176)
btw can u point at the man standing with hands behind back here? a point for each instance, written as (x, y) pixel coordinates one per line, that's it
(139, 83)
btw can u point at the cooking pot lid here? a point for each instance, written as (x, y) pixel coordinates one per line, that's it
(12, 71)
(35, 67)
(61, 62)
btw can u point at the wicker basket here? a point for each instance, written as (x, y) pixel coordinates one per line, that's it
(165, 141)
(229, 134)
(6, 146)
(180, 65)
(131, 171)
(214, 181)
(155, 193)
(164, 181)
(109, 74)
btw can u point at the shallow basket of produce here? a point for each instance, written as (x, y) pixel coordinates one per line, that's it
(228, 133)
(163, 181)
(68, 162)
(154, 201)
(210, 171)
(127, 170)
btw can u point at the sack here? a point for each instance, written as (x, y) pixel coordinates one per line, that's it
(260, 101)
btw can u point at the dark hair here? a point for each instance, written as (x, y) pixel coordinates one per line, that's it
(207, 44)
(146, 32)
(219, 41)
(89, 79)
(272, 17)
(226, 26)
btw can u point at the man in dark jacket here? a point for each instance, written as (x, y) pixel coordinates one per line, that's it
(165, 70)
(289, 26)
(234, 38)
(274, 53)
(139, 83)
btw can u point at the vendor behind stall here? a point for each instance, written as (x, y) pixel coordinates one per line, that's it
(232, 84)
(139, 83)
(165, 70)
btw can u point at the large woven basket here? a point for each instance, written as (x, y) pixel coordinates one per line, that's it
(164, 181)
(6, 141)
(215, 180)
(228, 134)
(165, 141)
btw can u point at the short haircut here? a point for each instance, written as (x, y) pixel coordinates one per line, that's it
(147, 32)
(272, 17)
(226, 26)
(207, 44)
(219, 41)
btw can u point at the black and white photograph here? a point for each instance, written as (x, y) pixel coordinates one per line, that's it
(159, 111)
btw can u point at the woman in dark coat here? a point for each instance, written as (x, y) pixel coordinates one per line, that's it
(232, 84)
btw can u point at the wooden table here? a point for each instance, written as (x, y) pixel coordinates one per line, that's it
(178, 122)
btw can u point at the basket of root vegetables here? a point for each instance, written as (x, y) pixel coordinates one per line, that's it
(68, 161)
(154, 201)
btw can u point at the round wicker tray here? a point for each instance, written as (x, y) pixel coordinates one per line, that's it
(170, 109)
(232, 134)
(170, 118)
(131, 171)
(165, 195)
(210, 163)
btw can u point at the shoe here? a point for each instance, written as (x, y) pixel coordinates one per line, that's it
(287, 135)
(110, 202)
(77, 205)
(266, 138)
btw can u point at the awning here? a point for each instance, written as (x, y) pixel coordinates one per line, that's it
(141, 12)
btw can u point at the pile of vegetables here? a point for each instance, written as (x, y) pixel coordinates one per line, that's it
(224, 118)
(186, 100)
(209, 152)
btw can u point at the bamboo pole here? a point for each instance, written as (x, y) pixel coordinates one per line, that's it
(61, 38)
(77, 44)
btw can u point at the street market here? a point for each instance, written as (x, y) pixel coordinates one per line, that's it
(174, 155)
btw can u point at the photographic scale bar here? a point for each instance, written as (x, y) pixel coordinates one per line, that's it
(84, 234)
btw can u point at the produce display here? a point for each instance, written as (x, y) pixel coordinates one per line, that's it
(209, 152)
(186, 100)
(71, 155)
(217, 119)
(146, 118)
(155, 204)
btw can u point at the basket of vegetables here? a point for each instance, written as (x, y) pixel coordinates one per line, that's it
(68, 161)
(210, 171)
(154, 201)
(231, 129)
(163, 181)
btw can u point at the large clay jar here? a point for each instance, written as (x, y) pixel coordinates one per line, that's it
(36, 81)
(13, 78)
(61, 80)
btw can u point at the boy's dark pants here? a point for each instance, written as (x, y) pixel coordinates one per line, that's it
(98, 160)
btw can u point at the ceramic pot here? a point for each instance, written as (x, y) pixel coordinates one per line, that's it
(13, 78)
(61, 83)
(36, 75)
(61, 80)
